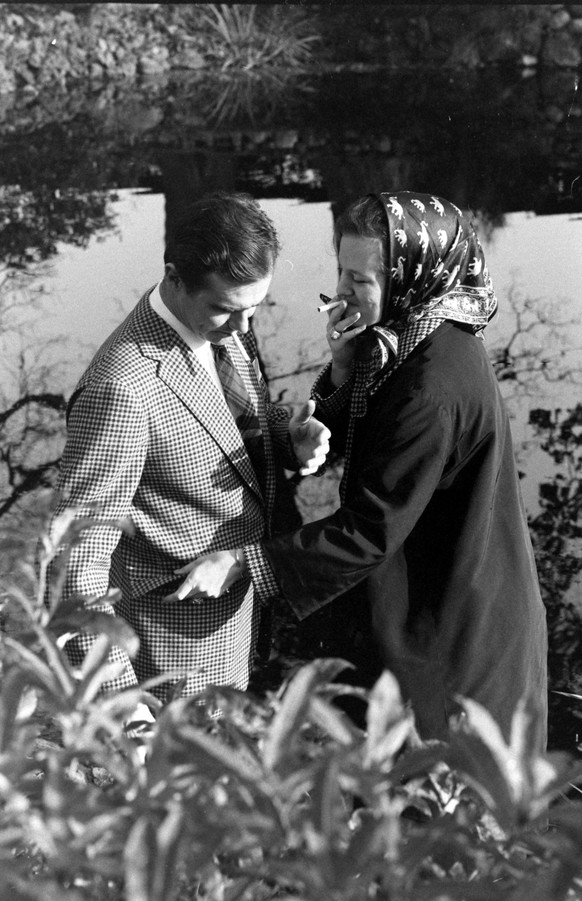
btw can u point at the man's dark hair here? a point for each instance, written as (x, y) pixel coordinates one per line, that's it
(365, 218)
(227, 234)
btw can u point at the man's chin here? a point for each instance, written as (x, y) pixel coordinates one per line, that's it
(221, 337)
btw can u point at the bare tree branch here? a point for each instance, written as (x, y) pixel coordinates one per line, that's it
(52, 401)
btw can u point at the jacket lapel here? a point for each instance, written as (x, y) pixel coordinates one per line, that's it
(186, 377)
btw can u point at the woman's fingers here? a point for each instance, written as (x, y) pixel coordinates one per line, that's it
(336, 314)
(345, 328)
(352, 333)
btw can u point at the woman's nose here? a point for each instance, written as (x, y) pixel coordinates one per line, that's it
(344, 286)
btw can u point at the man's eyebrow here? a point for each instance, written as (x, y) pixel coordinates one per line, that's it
(226, 308)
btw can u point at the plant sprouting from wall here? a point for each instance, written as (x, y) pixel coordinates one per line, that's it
(249, 36)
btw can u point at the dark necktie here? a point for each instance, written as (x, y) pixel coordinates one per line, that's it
(242, 409)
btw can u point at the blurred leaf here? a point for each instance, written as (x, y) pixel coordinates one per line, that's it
(372, 836)
(32, 666)
(94, 670)
(17, 701)
(388, 722)
(75, 616)
(139, 857)
(335, 722)
(325, 798)
(483, 771)
(175, 691)
(191, 745)
(28, 704)
(296, 699)
(68, 527)
(168, 839)
(235, 891)
(516, 780)
(40, 890)
(568, 694)
(219, 758)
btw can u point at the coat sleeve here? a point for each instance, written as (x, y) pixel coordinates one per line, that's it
(402, 466)
(332, 407)
(101, 467)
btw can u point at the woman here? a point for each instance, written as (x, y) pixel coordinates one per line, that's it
(430, 542)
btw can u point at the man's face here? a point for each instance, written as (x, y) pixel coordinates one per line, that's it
(219, 309)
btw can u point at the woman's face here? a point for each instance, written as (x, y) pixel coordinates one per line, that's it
(361, 279)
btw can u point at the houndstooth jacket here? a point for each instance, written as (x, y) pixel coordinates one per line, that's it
(150, 437)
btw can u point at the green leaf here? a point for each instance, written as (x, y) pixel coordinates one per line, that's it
(96, 670)
(33, 667)
(292, 712)
(384, 704)
(325, 797)
(214, 758)
(139, 854)
(372, 836)
(476, 763)
(334, 721)
(168, 840)
(95, 657)
(77, 616)
(15, 889)
(238, 888)
(418, 760)
(68, 528)
(516, 779)
(389, 723)
(14, 703)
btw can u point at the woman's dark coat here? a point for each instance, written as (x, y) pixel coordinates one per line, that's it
(432, 543)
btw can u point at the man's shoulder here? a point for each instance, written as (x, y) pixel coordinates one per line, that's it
(120, 356)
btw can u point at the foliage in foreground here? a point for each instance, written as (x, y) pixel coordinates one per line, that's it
(557, 535)
(281, 797)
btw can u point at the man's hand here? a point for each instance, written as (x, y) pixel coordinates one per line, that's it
(209, 576)
(142, 720)
(310, 439)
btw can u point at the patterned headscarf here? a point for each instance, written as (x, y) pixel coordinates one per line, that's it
(436, 271)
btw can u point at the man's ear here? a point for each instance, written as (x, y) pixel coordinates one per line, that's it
(171, 274)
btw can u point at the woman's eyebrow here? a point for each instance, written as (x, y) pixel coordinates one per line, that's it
(353, 271)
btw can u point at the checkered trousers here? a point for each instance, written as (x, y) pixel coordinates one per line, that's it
(150, 438)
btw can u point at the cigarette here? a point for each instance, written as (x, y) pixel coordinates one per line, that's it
(331, 305)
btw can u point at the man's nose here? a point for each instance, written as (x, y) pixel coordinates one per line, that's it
(240, 321)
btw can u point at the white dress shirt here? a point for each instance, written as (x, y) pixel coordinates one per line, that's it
(198, 346)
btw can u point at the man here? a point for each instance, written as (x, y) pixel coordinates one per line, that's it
(151, 437)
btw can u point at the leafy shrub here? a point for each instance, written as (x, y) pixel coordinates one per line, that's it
(556, 533)
(278, 797)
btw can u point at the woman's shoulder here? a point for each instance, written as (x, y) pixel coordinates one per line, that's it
(449, 367)
(451, 351)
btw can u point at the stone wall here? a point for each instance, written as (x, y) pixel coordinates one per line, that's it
(55, 45)
(112, 95)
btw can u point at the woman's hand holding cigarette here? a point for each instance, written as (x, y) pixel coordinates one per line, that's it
(341, 333)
